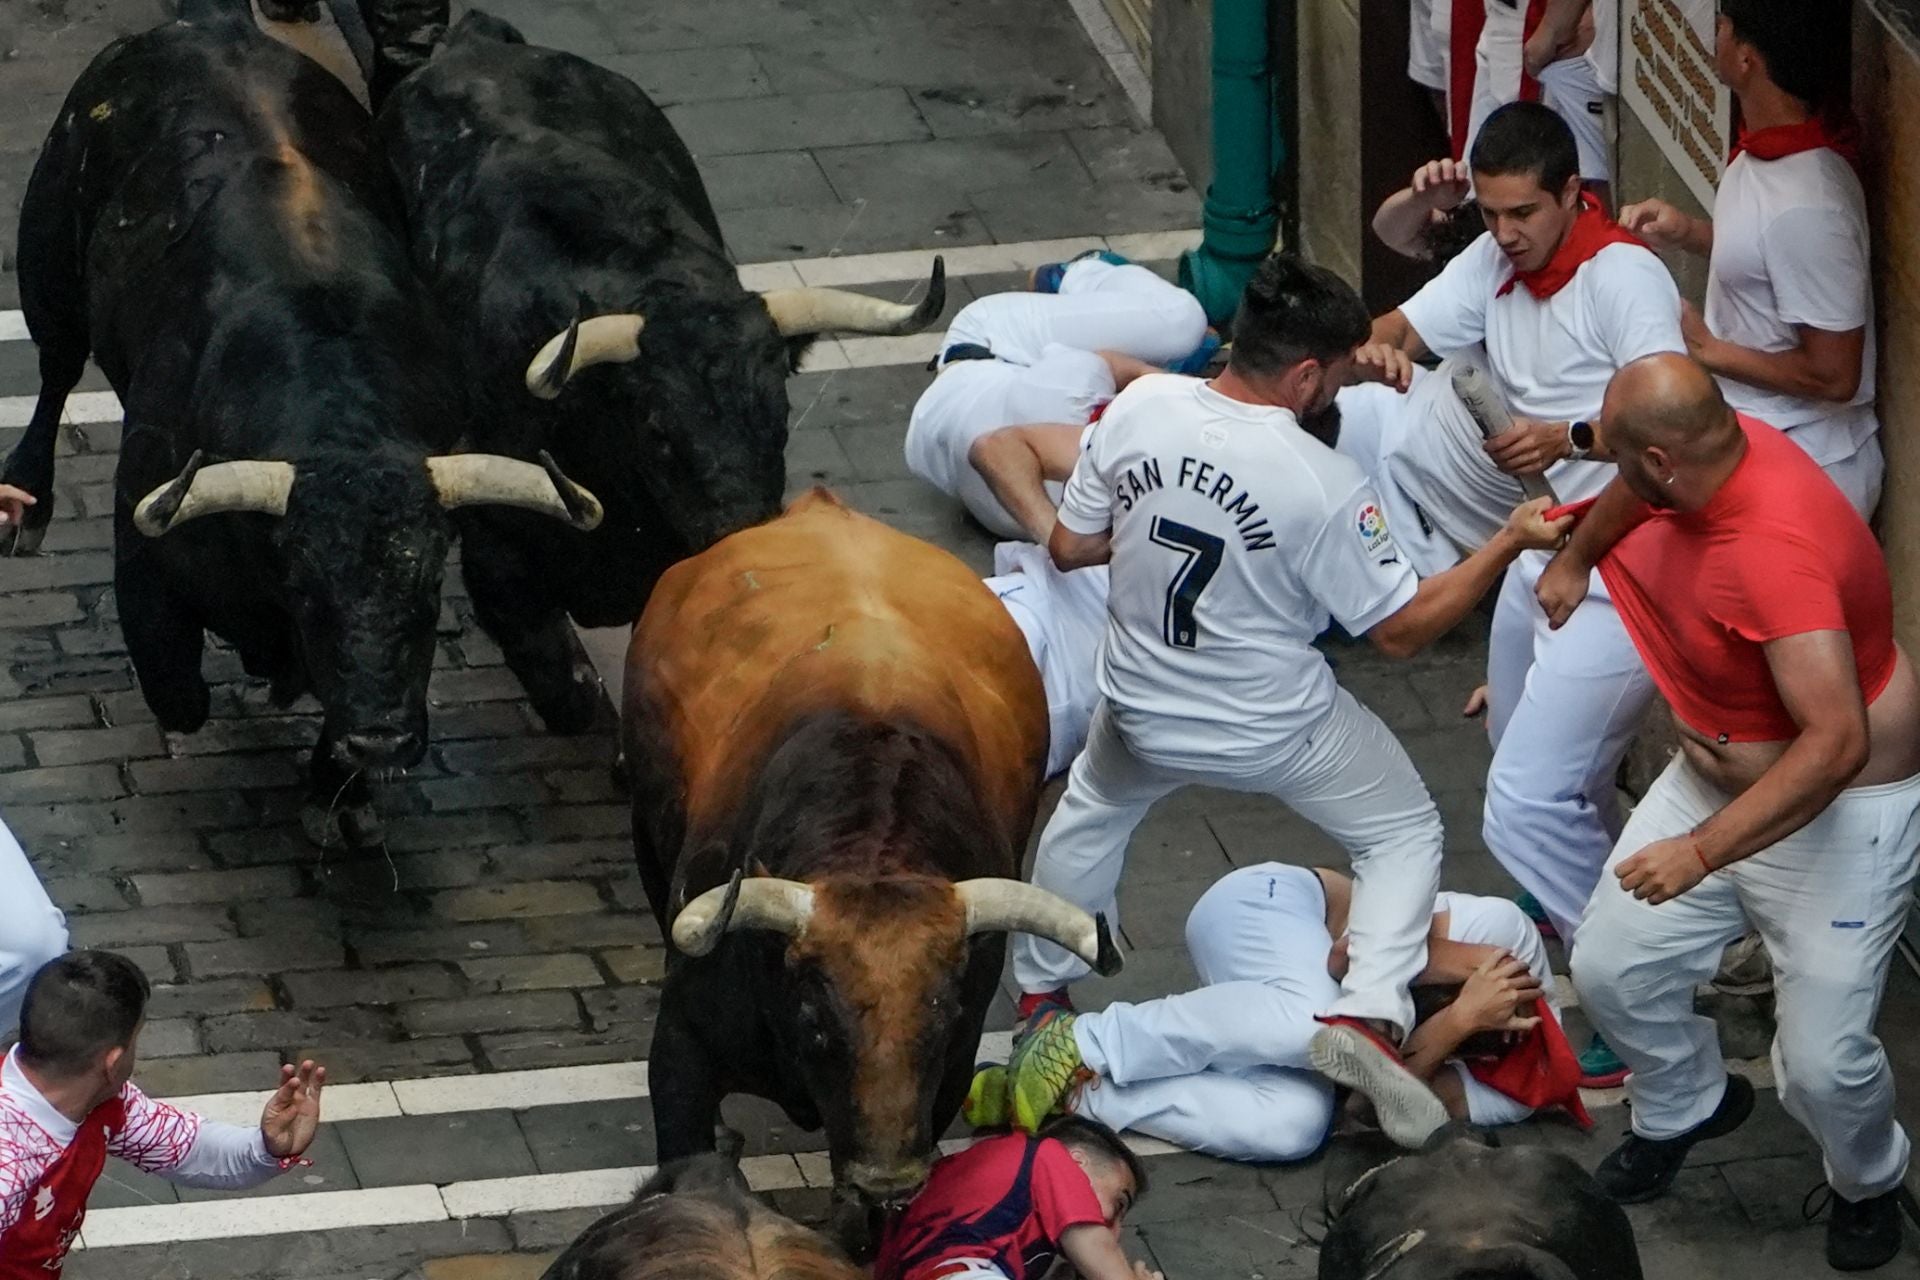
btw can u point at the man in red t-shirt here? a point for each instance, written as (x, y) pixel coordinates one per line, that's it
(1761, 604)
(1006, 1208)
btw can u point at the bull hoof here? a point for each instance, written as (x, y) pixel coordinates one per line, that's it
(345, 827)
(24, 539)
(576, 709)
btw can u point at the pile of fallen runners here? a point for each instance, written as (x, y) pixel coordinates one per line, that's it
(365, 285)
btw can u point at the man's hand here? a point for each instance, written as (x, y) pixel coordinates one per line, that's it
(1561, 589)
(1526, 527)
(1340, 958)
(1495, 994)
(1658, 223)
(293, 1112)
(1141, 1271)
(1441, 185)
(1663, 870)
(1380, 362)
(13, 505)
(1476, 704)
(1529, 446)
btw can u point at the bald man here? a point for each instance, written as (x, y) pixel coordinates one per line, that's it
(1761, 604)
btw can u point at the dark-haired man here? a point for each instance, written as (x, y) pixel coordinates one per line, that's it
(1232, 534)
(1762, 605)
(1788, 327)
(1009, 1208)
(1561, 298)
(66, 1105)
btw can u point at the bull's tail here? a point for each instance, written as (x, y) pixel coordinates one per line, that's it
(480, 25)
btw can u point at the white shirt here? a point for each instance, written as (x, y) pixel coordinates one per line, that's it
(1790, 248)
(1552, 359)
(1235, 536)
(970, 398)
(1604, 52)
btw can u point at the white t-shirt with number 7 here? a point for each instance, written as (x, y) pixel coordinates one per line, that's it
(1236, 536)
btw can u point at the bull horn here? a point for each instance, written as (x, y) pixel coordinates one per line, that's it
(763, 902)
(798, 312)
(1014, 906)
(249, 485)
(602, 340)
(474, 479)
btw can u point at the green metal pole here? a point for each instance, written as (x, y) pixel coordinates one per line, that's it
(1239, 218)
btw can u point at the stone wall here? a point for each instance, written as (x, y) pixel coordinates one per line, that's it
(1183, 83)
(1331, 219)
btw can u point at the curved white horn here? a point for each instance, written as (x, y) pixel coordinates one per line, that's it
(249, 485)
(1014, 906)
(797, 312)
(474, 479)
(602, 340)
(763, 902)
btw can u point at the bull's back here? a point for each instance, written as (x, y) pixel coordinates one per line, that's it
(823, 609)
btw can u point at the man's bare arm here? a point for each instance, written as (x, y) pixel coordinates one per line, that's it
(1072, 550)
(1444, 599)
(1016, 462)
(1824, 366)
(1095, 1252)
(1820, 687)
(1396, 331)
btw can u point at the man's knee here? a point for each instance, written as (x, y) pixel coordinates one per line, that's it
(1279, 1135)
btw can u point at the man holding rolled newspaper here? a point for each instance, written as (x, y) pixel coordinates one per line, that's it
(1559, 298)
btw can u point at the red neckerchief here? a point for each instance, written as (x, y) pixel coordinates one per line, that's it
(1592, 231)
(1836, 130)
(1468, 17)
(1539, 1072)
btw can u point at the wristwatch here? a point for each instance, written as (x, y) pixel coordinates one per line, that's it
(1579, 441)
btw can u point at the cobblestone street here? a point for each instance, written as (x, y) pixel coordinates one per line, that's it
(484, 993)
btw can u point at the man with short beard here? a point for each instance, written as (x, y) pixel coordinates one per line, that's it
(1761, 603)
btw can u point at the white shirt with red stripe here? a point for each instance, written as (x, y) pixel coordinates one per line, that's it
(49, 1164)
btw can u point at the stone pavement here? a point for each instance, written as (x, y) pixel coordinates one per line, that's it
(504, 931)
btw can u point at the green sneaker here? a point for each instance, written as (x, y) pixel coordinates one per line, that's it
(1600, 1066)
(1045, 1068)
(989, 1103)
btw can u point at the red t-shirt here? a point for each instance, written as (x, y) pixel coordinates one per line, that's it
(1004, 1200)
(1778, 552)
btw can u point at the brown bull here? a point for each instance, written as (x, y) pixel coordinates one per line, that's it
(836, 738)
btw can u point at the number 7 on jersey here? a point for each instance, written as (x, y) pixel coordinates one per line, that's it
(1202, 560)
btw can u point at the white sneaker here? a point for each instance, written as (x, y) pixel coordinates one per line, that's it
(1409, 1112)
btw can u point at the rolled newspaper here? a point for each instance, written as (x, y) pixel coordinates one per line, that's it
(1482, 400)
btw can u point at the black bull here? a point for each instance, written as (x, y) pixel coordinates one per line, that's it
(209, 220)
(1462, 1208)
(542, 189)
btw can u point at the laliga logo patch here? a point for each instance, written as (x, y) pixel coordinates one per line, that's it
(1372, 524)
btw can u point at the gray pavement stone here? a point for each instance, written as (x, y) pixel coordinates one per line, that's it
(1187, 1186)
(281, 1029)
(1041, 164)
(555, 1229)
(506, 1011)
(1154, 915)
(125, 1186)
(462, 942)
(402, 1150)
(79, 894)
(690, 24)
(285, 953)
(151, 925)
(692, 75)
(331, 1171)
(169, 1038)
(354, 1061)
(518, 901)
(1100, 208)
(200, 999)
(589, 1135)
(217, 887)
(402, 984)
(764, 178)
(85, 746)
(208, 1073)
(529, 1050)
(775, 233)
(1239, 1245)
(531, 973)
(1036, 103)
(788, 121)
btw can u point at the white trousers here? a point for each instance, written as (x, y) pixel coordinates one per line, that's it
(32, 929)
(1563, 707)
(1571, 87)
(1829, 901)
(1100, 307)
(1350, 777)
(1223, 1069)
(1064, 618)
(1860, 475)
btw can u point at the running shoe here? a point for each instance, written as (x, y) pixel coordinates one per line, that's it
(1046, 1067)
(1349, 1052)
(1047, 278)
(1201, 356)
(989, 1103)
(1600, 1066)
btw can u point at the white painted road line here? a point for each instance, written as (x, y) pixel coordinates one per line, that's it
(226, 1219)
(13, 326)
(82, 406)
(519, 1090)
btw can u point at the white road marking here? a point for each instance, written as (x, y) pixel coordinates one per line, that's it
(82, 406)
(1111, 45)
(226, 1219)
